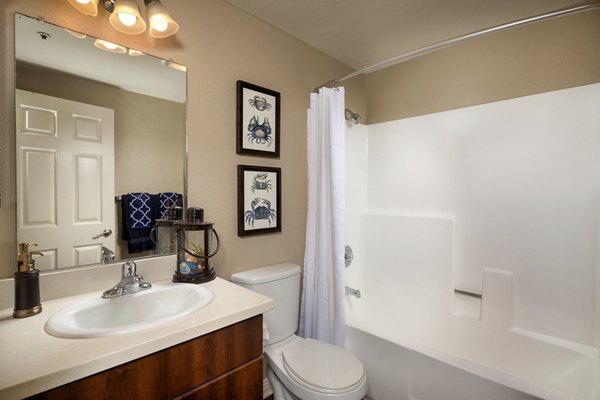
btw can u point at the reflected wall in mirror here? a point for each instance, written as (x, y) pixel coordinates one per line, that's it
(93, 125)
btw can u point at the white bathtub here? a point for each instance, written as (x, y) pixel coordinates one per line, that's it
(456, 366)
(420, 341)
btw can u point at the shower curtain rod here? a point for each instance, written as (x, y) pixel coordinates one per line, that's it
(581, 7)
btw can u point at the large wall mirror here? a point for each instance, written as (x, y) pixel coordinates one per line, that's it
(95, 123)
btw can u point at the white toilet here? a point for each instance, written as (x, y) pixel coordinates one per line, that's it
(300, 368)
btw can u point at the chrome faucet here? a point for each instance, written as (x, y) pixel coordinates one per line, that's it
(352, 292)
(108, 256)
(130, 283)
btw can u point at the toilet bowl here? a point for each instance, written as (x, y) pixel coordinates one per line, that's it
(299, 368)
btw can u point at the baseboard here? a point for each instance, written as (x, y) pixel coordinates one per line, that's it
(267, 389)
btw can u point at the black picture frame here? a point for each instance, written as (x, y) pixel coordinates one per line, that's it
(259, 200)
(258, 121)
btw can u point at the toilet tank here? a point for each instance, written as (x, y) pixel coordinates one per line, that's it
(281, 282)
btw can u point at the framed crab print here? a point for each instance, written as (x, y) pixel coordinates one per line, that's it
(259, 200)
(258, 110)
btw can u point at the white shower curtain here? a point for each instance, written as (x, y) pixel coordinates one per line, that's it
(323, 315)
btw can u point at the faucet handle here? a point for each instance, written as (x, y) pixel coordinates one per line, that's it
(129, 269)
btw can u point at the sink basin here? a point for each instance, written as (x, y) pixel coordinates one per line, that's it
(96, 317)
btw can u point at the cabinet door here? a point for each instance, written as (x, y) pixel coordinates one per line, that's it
(239, 384)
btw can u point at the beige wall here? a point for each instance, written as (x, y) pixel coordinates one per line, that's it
(541, 57)
(220, 45)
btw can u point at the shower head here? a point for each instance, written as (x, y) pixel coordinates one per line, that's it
(350, 116)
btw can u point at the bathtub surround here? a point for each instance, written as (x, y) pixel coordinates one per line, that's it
(498, 199)
(519, 192)
(323, 314)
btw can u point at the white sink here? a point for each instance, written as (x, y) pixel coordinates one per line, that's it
(96, 317)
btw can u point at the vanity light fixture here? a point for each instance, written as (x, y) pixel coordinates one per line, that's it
(87, 7)
(125, 16)
(161, 23)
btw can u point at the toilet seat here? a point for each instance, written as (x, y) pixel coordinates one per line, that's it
(297, 386)
(322, 367)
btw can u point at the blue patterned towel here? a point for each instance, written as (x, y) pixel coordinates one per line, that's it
(137, 211)
(166, 200)
(140, 211)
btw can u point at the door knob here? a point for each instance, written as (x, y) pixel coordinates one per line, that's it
(106, 233)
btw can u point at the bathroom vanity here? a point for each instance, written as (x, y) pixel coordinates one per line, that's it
(215, 352)
(222, 364)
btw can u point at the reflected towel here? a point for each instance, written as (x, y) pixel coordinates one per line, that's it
(166, 200)
(134, 213)
(139, 209)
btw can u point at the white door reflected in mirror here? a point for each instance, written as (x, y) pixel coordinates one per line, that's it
(65, 179)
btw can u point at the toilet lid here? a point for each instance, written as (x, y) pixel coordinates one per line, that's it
(323, 365)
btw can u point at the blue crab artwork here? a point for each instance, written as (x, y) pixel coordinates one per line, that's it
(261, 209)
(259, 133)
(260, 182)
(260, 103)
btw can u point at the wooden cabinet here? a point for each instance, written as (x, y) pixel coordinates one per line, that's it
(225, 364)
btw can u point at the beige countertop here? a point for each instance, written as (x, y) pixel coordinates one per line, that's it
(34, 361)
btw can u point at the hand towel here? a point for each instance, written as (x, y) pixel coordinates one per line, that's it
(138, 218)
(166, 200)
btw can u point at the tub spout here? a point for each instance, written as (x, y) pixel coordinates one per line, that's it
(353, 292)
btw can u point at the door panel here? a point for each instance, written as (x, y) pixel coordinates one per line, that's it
(65, 178)
(39, 187)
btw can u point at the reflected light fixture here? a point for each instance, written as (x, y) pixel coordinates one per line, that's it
(108, 46)
(125, 16)
(76, 34)
(135, 53)
(171, 64)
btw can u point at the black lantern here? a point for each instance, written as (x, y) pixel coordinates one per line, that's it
(194, 248)
(163, 232)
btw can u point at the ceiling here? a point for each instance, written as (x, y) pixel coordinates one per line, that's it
(360, 33)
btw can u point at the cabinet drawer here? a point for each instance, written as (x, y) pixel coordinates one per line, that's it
(173, 371)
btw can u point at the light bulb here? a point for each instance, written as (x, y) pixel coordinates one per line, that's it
(110, 45)
(161, 26)
(127, 19)
(83, 1)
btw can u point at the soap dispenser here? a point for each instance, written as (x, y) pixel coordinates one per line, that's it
(27, 283)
